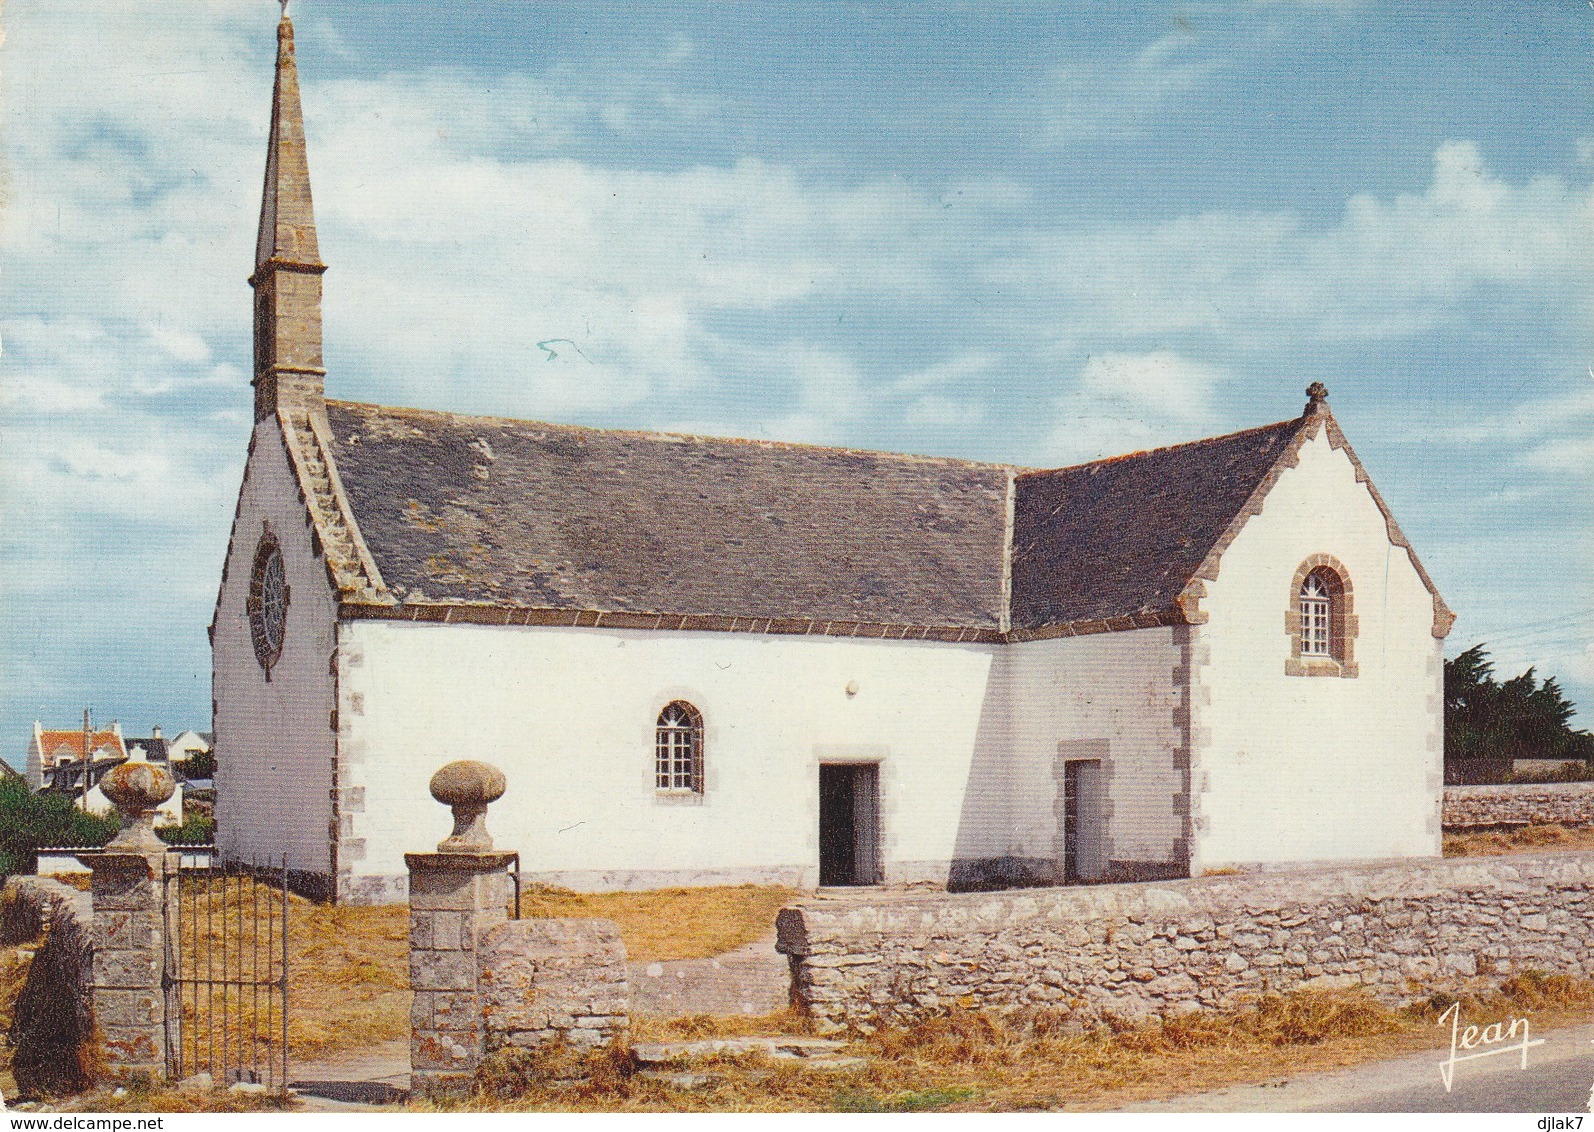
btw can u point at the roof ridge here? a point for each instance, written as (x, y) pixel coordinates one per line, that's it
(667, 435)
(1165, 448)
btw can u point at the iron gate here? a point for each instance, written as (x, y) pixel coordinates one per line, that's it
(225, 976)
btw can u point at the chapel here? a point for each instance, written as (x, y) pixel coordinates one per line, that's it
(710, 661)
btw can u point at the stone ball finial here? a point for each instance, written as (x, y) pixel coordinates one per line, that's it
(137, 790)
(468, 787)
(1316, 394)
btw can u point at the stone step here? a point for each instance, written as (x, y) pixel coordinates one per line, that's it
(654, 1054)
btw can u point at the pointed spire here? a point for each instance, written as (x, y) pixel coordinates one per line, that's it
(288, 267)
(287, 219)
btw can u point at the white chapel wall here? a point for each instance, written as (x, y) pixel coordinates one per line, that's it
(569, 715)
(1109, 696)
(274, 741)
(1297, 769)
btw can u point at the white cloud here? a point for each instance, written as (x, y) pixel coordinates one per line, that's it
(147, 472)
(1547, 434)
(954, 371)
(1388, 268)
(1565, 455)
(179, 345)
(938, 412)
(1115, 98)
(476, 264)
(41, 394)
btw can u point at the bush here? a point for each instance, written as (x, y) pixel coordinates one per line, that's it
(201, 764)
(1566, 772)
(29, 821)
(197, 829)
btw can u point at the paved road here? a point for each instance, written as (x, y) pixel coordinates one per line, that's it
(1558, 1079)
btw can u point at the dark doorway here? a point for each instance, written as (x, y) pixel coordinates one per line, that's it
(849, 824)
(1081, 820)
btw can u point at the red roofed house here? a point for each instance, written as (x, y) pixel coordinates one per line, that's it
(713, 661)
(48, 749)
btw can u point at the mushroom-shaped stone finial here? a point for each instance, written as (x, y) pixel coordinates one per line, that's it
(1316, 395)
(468, 787)
(137, 789)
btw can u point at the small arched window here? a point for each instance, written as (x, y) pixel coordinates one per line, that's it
(678, 749)
(1320, 623)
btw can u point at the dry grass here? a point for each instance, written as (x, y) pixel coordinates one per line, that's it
(691, 1027)
(349, 977)
(980, 1062)
(14, 964)
(349, 965)
(1523, 839)
(671, 923)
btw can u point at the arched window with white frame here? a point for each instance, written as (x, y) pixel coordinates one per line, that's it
(1316, 608)
(678, 749)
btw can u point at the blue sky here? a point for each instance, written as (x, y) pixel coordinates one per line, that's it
(1024, 232)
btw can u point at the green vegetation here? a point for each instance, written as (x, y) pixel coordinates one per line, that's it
(29, 821)
(197, 829)
(1520, 718)
(922, 1100)
(201, 764)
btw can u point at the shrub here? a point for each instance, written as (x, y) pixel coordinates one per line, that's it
(197, 829)
(201, 764)
(29, 821)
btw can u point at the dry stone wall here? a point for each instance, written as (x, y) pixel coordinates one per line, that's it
(1569, 803)
(548, 980)
(1136, 950)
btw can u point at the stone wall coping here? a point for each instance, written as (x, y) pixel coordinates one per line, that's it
(555, 925)
(473, 862)
(113, 859)
(916, 915)
(1522, 788)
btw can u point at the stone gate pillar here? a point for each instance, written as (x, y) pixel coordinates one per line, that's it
(457, 895)
(130, 929)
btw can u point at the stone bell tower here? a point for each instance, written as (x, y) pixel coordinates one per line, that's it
(289, 373)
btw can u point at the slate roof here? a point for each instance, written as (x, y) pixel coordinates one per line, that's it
(155, 750)
(1121, 537)
(489, 513)
(518, 513)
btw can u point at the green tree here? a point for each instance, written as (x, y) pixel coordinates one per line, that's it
(29, 821)
(1520, 718)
